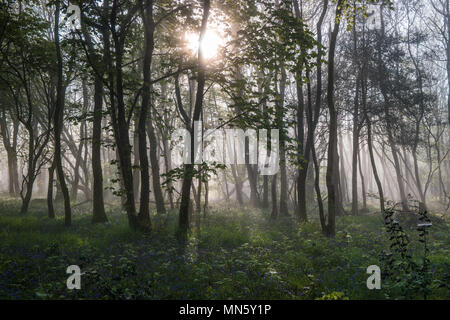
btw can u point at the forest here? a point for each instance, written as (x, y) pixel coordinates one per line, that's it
(218, 149)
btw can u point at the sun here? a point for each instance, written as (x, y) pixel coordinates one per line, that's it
(210, 45)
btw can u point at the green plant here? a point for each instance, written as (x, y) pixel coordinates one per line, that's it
(406, 276)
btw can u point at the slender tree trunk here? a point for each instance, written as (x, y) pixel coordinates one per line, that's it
(189, 168)
(31, 167)
(28, 193)
(274, 213)
(343, 185)
(168, 167)
(206, 204)
(252, 172)
(355, 151)
(238, 184)
(374, 166)
(265, 203)
(199, 196)
(283, 172)
(303, 163)
(312, 118)
(392, 143)
(318, 192)
(136, 162)
(417, 177)
(58, 122)
(398, 171)
(50, 208)
(10, 147)
(154, 161)
(98, 214)
(333, 197)
(363, 183)
(118, 112)
(98, 210)
(369, 138)
(144, 209)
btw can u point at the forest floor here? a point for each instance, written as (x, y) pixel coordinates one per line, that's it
(236, 253)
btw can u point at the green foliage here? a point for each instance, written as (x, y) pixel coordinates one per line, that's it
(405, 275)
(334, 296)
(204, 171)
(236, 253)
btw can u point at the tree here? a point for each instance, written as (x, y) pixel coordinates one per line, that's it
(189, 168)
(58, 119)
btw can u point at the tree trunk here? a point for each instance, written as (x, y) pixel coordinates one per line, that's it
(10, 147)
(144, 210)
(98, 214)
(312, 118)
(333, 206)
(265, 203)
(168, 167)
(154, 161)
(355, 150)
(58, 122)
(283, 174)
(50, 208)
(118, 114)
(363, 183)
(274, 213)
(369, 137)
(189, 168)
(318, 192)
(206, 204)
(238, 184)
(136, 162)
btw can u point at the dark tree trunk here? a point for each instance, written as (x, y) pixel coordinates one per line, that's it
(154, 161)
(312, 118)
(303, 162)
(283, 173)
(238, 184)
(205, 205)
(29, 181)
(118, 114)
(274, 213)
(168, 167)
(144, 210)
(189, 168)
(82, 145)
(136, 162)
(58, 123)
(343, 185)
(369, 137)
(50, 208)
(10, 144)
(363, 183)
(355, 149)
(318, 192)
(333, 197)
(388, 118)
(98, 214)
(265, 203)
(198, 202)
(252, 174)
